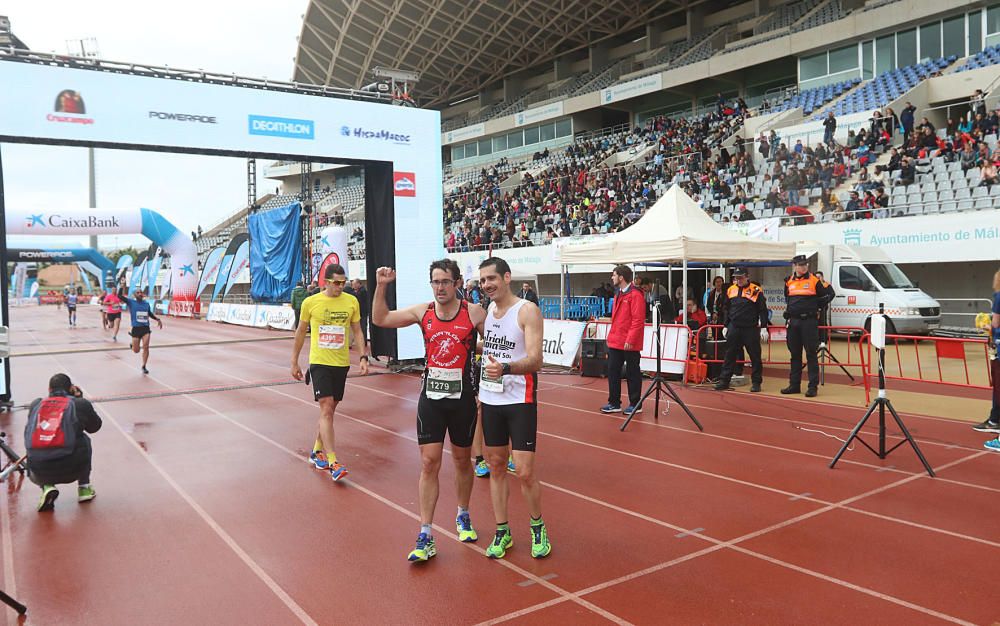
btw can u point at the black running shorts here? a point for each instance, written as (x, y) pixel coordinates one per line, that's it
(114, 316)
(458, 417)
(516, 424)
(139, 331)
(328, 381)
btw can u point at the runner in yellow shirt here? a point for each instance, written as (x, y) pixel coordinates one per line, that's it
(332, 317)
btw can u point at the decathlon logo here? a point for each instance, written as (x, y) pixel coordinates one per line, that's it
(281, 127)
(404, 184)
(69, 104)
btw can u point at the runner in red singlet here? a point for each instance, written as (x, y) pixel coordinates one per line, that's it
(113, 309)
(447, 397)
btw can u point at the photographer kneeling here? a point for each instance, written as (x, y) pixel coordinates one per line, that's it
(58, 447)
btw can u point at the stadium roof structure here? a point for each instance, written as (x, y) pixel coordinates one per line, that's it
(458, 46)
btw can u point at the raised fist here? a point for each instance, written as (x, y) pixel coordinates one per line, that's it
(385, 275)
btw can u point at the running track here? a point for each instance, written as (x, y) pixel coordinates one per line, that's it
(207, 512)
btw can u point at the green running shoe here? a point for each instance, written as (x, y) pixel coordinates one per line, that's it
(540, 546)
(425, 549)
(466, 533)
(48, 500)
(85, 494)
(501, 541)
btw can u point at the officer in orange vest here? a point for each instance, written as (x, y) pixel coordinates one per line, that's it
(805, 296)
(746, 326)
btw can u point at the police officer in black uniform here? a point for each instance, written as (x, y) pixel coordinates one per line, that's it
(805, 296)
(746, 326)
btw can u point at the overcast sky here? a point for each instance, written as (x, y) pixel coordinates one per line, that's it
(246, 37)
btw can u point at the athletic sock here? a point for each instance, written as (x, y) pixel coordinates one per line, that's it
(479, 459)
(426, 530)
(537, 522)
(318, 445)
(462, 511)
(331, 457)
(503, 526)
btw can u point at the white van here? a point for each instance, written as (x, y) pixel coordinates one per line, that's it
(863, 278)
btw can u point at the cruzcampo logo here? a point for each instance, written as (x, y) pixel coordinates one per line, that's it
(852, 236)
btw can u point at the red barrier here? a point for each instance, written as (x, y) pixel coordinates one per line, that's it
(947, 348)
(852, 336)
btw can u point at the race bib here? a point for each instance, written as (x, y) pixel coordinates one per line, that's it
(142, 317)
(494, 385)
(116, 308)
(443, 383)
(332, 337)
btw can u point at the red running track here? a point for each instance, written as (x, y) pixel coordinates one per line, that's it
(208, 513)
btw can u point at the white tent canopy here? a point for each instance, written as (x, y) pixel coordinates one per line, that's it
(675, 229)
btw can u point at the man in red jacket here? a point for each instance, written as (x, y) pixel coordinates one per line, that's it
(628, 318)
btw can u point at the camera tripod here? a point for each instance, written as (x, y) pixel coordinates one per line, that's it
(659, 383)
(823, 353)
(882, 403)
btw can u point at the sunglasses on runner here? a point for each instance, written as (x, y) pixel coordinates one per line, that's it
(338, 283)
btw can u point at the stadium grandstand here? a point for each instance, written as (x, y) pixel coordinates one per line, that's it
(7, 38)
(578, 130)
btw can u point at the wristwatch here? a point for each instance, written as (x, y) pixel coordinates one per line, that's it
(506, 369)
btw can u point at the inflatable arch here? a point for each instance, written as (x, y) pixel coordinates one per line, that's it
(90, 259)
(149, 223)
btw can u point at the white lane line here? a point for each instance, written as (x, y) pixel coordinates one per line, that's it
(282, 595)
(732, 544)
(720, 544)
(397, 507)
(9, 581)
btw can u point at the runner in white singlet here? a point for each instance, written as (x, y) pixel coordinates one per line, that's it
(508, 389)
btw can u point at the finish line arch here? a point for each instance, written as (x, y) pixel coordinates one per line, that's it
(399, 147)
(146, 222)
(98, 261)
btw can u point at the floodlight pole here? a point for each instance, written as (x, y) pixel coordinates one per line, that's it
(92, 184)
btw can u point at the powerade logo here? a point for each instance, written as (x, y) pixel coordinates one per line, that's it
(281, 127)
(55, 254)
(380, 134)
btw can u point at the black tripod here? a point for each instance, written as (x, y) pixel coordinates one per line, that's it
(824, 353)
(882, 403)
(12, 603)
(659, 383)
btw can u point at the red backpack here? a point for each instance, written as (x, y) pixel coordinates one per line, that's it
(51, 429)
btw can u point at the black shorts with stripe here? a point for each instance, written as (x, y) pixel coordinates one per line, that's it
(456, 416)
